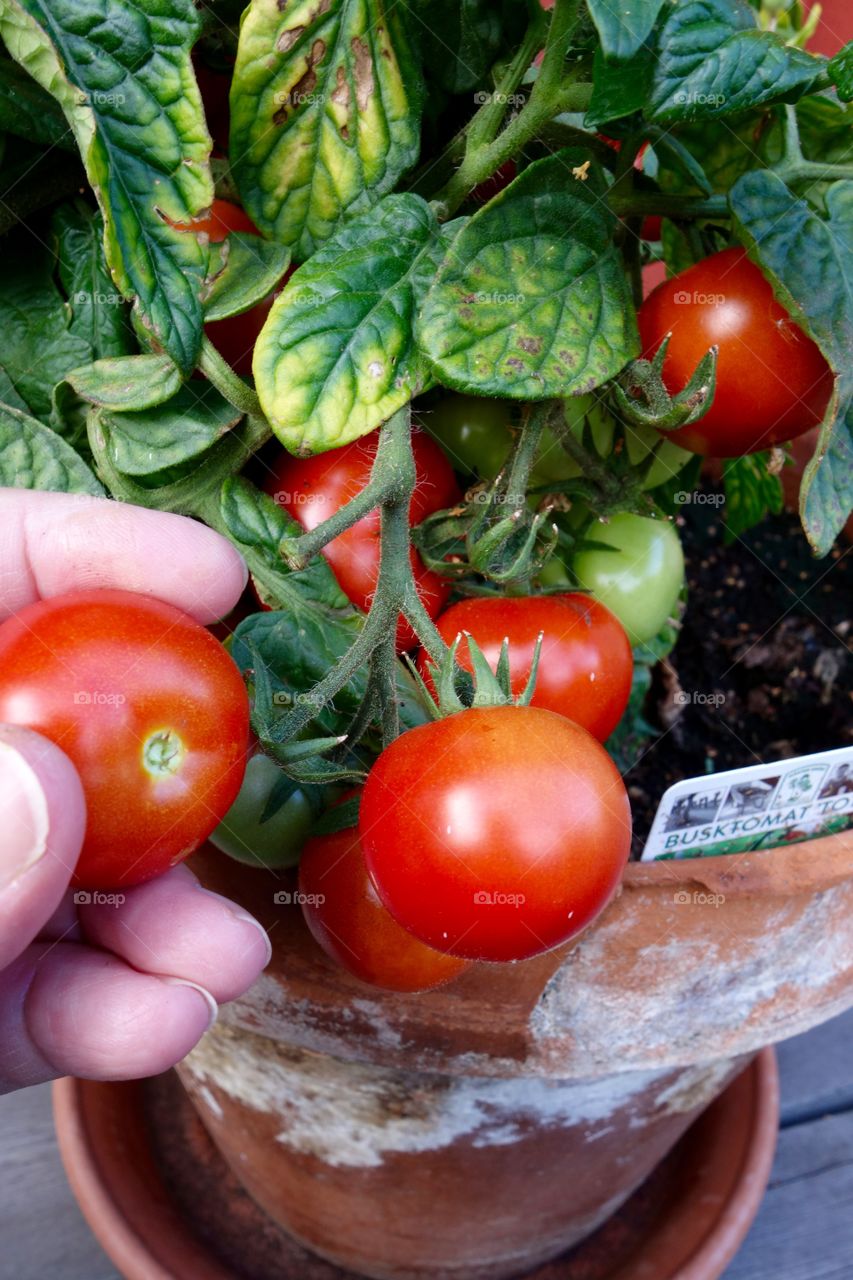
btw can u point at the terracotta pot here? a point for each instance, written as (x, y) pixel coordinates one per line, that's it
(480, 1129)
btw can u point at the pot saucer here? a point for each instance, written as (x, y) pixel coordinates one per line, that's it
(165, 1206)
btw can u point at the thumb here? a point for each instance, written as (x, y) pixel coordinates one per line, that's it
(42, 822)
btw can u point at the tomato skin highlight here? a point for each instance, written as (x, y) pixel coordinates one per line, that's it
(497, 833)
(641, 578)
(150, 709)
(342, 909)
(312, 489)
(585, 666)
(772, 380)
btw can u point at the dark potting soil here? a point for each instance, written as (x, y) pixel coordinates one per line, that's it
(762, 670)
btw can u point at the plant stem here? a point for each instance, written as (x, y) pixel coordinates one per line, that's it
(222, 376)
(549, 97)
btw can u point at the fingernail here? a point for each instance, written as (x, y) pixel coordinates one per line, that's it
(243, 916)
(24, 822)
(212, 1006)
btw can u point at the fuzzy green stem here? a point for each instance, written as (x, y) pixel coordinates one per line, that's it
(222, 376)
(549, 97)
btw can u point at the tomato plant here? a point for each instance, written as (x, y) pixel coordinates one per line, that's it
(149, 708)
(343, 911)
(207, 336)
(772, 382)
(312, 489)
(496, 833)
(638, 573)
(585, 663)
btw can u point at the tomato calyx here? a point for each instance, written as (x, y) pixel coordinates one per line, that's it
(643, 400)
(483, 688)
(162, 753)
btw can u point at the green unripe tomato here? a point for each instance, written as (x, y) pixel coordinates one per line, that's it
(640, 580)
(473, 431)
(276, 842)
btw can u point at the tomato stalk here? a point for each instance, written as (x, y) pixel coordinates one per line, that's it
(794, 167)
(391, 486)
(227, 382)
(549, 97)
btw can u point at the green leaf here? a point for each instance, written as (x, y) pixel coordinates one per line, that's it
(532, 299)
(619, 88)
(257, 522)
(28, 111)
(246, 271)
(155, 446)
(840, 69)
(99, 311)
(337, 354)
(809, 260)
(34, 457)
(751, 492)
(460, 40)
(325, 113)
(623, 25)
(124, 79)
(132, 382)
(712, 61)
(39, 341)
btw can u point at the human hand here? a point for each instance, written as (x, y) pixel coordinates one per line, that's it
(102, 990)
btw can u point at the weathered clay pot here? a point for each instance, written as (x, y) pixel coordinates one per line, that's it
(479, 1129)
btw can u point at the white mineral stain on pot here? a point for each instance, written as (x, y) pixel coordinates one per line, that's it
(352, 1114)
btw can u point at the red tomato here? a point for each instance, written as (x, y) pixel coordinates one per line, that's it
(151, 710)
(585, 666)
(312, 489)
(343, 912)
(772, 381)
(223, 218)
(496, 833)
(502, 177)
(651, 227)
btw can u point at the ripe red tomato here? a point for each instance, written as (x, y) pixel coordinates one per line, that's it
(223, 218)
(151, 710)
(585, 665)
(312, 489)
(501, 178)
(343, 912)
(772, 381)
(496, 833)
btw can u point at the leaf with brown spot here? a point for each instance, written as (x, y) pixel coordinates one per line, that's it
(340, 84)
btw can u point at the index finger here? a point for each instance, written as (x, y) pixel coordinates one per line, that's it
(51, 543)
